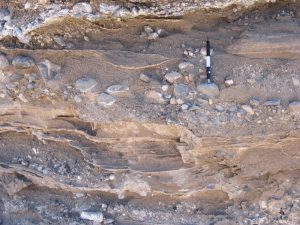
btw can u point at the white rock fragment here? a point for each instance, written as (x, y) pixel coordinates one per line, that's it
(85, 84)
(22, 98)
(122, 12)
(82, 7)
(165, 87)
(117, 89)
(248, 109)
(185, 106)
(144, 77)
(106, 100)
(229, 82)
(173, 76)
(77, 99)
(148, 29)
(153, 36)
(93, 216)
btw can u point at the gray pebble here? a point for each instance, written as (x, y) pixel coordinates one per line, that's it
(181, 90)
(273, 102)
(4, 14)
(219, 108)
(117, 89)
(85, 84)
(194, 108)
(23, 62)
(105, 99)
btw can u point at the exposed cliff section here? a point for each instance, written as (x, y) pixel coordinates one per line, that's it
(21, 19)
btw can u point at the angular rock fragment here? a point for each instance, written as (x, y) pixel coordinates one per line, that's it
(3, 62)
(23, 62)
(211, 90)
(148, 29)
(117, 89)
(273, 102)
(106, 100)
(107, 9)
(186, 67)
(4, 14)
(156, 97)
(153, 36)
(228, 82)
(295, 107)
(82, 7)
(85, 84)
(181, 90)
(93, 216)
(49, 70)
(248, 109)
(172, 76)
(144, 77)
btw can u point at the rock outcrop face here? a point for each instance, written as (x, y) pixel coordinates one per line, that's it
(106, 115)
